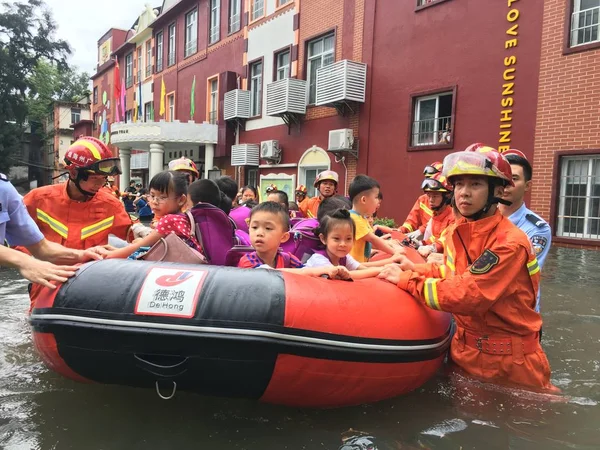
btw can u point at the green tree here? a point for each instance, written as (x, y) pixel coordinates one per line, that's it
(26, 36)
(50, 83)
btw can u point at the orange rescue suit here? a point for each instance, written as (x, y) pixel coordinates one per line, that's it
(78, 225)
(418, 216)
(310, 207)
(439, 223)
(491, 291)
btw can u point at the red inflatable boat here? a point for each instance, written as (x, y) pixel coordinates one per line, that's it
(264, 334)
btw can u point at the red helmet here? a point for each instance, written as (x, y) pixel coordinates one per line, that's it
(184, 164)
(301, 189)
(514, 152)
(478, 159)
(436, 183)
(90, 155)
(271, 188)
(432, 169)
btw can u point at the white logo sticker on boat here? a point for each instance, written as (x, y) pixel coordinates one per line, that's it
(170, 292)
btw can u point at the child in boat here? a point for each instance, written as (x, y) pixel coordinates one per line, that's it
(168, 195)
(364, 195)
(336, 232)
(269, 227)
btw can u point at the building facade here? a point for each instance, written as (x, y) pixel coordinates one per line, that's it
(566, 180)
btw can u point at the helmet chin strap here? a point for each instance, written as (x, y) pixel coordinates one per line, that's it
(491, 200)
(446, 200)
(76, 182)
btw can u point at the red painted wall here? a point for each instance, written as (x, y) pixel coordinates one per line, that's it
(451, 43)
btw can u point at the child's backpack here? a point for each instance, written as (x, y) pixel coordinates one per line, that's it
(303, 242)
(214, 230)
(242, 238)
(240, 216)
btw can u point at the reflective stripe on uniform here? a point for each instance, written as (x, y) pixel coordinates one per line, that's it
(431, 295)
(533, 267)
(450, 262)
(60, 228)
(97, 227)
(408, 226)
(425, 208)
(443, 271)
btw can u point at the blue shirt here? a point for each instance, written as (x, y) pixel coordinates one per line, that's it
(16, 225)
(539, 233)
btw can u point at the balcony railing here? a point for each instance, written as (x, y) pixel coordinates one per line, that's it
(171, 59)
(148, 70)
(425, 2)
(190, 48)
(585, 26)
(258, 9)
(159, 65)
(432, 131)
(214, 34)
(212, 117)
(129, 81)
(139, 75)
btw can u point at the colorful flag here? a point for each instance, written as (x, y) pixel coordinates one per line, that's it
(193, 99)
(123, 102)
(117, 90)
(163, 93)
(140, 103)
(135, 111)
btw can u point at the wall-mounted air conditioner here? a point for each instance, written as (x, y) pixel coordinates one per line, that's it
(270, 149)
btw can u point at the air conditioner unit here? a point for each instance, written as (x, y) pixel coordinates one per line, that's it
(270, 149)
(341, 139)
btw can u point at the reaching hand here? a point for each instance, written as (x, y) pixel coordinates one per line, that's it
(404, 263)
(391, 273)
(425, 250)
(42, 272)
(415, 235)
(93, 254)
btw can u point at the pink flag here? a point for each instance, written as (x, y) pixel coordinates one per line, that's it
(122, 102)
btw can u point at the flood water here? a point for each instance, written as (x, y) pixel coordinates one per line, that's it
(41, 410)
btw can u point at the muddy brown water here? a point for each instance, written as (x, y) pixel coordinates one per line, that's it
(41, 410)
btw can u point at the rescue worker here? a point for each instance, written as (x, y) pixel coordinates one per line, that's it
(19, 229)
(301, 197)
(187, 166)
(439, 195)
(80, 214)
(326, 184)
(537, 229)
(492, 292)
(419, 215)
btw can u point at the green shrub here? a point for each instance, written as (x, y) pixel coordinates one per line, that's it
(386, 221)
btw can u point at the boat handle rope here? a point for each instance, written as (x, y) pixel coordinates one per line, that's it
(163, 396)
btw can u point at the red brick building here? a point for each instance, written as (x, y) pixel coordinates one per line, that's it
(566, 189)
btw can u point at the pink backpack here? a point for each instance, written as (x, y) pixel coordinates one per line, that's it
(214, 230)
(303, 242)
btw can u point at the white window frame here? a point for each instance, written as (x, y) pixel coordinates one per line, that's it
(148, 58)
(191, 33)
(171, 107)
(148, 107)
(214, 100)
(75, 115)
(172, 44)
(282, 2)
(129, 116)
(129, 70)
(588, 180)
(256, 81)
(258, 9)
(282, 72)
(215, 21)
(235, 15)
(139, 63)
(313, 59)
(159, 51)
(415, 139)
(591, 23)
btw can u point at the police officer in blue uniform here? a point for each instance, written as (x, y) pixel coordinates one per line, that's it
(537, 229)
(17, 228)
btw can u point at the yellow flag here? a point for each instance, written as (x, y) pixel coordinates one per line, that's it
(163, 93)
(135, 111)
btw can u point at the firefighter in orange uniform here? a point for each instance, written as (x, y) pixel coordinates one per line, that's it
(419, 215)
(492, 291)
(326, 184)
(80, 214)
(439, 195)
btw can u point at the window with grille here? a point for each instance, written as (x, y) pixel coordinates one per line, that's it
(129, 70)
(213, 100)
(235, 8)
(159, 51)
(256, 88)
(258, 9)
(148, 59)
(432, 123)
(320, 54)
(282, 65)
(579, 201)
(139, 65)
(191, 33)
(283, 2)
(585, 22)
(171, 47)
(215, 19)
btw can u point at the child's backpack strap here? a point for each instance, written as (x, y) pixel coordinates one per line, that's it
(287, 260)
(194, 231)
(214, 230)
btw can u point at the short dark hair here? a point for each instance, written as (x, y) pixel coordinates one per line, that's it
(360, 184)
(205, 191)
(273, 208)
(282, 198)
(520, 161)
(331, 204)
(293, 206)
(251, 188)
(227, 185)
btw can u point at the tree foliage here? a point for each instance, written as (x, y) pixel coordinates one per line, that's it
(27, 34)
